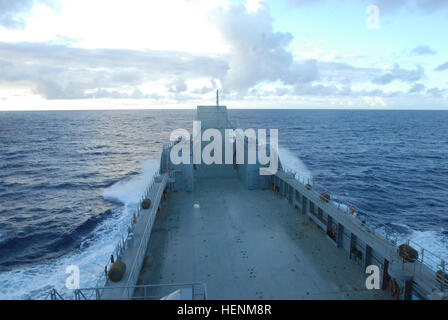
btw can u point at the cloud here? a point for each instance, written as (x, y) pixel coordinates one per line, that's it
(416, 88)
(342, 72)
(388, 6)
(397, 73)
(391, 5)
(259, 63)
(307, 89)
(12, 12)
(61, 72)
(421, 89)
(423, 50)
(57, 71)
(436, 92)
(425, 6)
(442, 67)
(432, 5)
(257, 52)
(178, 86)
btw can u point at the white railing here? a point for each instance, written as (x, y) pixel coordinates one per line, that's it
(117, 252)
(302, 179)
(432, 262)
(141, 252)
(426, 257)
(145, 292)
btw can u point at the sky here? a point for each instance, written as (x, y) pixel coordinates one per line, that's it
(132, 54)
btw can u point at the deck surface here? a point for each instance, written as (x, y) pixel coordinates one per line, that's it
(247, 245)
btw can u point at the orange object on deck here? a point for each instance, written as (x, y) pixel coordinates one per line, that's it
(352, 209)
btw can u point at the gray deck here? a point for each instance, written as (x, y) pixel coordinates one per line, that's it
(247, 245)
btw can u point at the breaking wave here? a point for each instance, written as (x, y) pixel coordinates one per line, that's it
(36, 281)
(290, 161)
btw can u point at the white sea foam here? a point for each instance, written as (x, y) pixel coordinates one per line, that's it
(291, 161)
(433, 241)
(35, 282)
(130, 191)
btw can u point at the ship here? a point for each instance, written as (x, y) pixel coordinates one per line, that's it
(225, 231)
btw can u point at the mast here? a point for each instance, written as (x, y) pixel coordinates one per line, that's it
(217, 98)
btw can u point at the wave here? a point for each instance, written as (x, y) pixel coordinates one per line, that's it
(290, 161)
(36, 281)
(434, 242)
(129, 191)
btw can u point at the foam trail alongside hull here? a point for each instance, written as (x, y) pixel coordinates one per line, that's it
(36, 281)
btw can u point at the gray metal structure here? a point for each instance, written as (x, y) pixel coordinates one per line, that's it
(225, 232)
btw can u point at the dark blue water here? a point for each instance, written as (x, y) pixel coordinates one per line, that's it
(66, 177)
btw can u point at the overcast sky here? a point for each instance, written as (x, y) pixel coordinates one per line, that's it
(80, 54)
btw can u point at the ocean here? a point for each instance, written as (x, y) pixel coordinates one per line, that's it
(69, 180)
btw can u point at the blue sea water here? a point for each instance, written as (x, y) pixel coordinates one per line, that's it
(69, 179)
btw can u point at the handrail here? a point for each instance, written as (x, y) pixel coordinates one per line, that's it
(103, 280)
(389, 235)
(431, 269)
(135, 269)
(53, 295)
(199, 290)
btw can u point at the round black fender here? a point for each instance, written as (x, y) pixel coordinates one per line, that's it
(117, 271)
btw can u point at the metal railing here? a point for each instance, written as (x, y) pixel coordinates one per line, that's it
(117, 252)
(137, 292)
(426, 257)
(301, 178)
(54, 295)
(141, 252)
(432, 269)
(342, 207)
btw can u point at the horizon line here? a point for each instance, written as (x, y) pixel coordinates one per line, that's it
(231, 108)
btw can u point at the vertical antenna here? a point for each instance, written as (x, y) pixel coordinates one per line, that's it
(217, 98)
